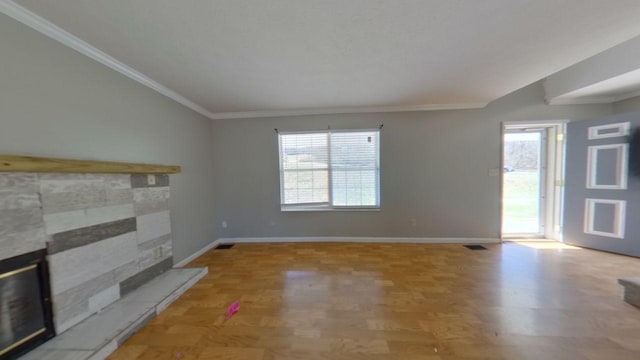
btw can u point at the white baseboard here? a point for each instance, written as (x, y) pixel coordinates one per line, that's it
(191, 257)
(343, 239)
(397, 240)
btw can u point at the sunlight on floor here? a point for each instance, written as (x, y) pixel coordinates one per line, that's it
(547, 245)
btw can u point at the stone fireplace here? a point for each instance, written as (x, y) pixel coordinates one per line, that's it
(104, 235)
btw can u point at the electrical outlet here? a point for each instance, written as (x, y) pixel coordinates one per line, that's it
(224, 224)
(151, 179)
(157, 252)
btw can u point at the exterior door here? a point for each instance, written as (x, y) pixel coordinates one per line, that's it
(602, 197)
(523, 182)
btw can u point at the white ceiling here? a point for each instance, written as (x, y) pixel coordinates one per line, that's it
(244, 58)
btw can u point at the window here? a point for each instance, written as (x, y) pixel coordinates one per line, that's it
(326, 170)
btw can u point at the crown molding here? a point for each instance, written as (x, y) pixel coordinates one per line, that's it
(51, 30)
(581, 100)
(348, 110)
(44, 26)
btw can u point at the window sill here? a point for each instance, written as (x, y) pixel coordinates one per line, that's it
(324, 208)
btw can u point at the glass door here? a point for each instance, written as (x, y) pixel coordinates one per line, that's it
(523, 192)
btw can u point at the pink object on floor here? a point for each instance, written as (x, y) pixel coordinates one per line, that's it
(233, 308)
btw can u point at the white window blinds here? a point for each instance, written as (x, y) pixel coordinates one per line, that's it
(304, 164)
(330, 169)
(354, 168)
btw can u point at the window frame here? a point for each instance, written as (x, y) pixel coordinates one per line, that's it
(328, 206)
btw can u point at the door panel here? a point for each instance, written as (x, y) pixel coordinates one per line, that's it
(602, 200)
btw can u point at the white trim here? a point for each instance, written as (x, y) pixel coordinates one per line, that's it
(38, 23)
(330, 170)
(280, 171)
(347, 110)
(621, 166)
(359, 239)
(327, 207)
(196, 254)
(618, 222)
(327, 131)
(623, 128)
(514, 125)
(307, 239)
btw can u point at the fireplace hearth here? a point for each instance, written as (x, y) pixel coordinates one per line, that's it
(25, 304)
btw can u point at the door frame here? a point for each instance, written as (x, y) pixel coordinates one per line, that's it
(553, 185)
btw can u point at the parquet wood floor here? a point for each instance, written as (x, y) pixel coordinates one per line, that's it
(338, 301)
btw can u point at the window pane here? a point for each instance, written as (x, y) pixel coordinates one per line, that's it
(354, 150)
(354, 166)
(306, 186)
(304, 151)
(355, 188)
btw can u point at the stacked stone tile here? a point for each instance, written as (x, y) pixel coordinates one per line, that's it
(105, 234)
(21, 224)
(631, 290)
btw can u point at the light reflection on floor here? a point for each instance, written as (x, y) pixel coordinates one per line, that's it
(547, 245)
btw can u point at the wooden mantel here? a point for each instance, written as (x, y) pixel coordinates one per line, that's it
(13, 163)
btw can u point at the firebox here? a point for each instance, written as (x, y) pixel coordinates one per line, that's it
(25, 304)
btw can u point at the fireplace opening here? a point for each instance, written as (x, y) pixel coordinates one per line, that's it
(25, 304)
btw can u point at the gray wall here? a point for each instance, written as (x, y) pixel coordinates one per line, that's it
(434, 169)
(625, 106)
(58, 103)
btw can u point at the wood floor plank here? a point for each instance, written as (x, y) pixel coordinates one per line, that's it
(321, 301)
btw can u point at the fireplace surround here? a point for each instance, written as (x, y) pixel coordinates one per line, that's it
(26, 318)
(75, 237)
